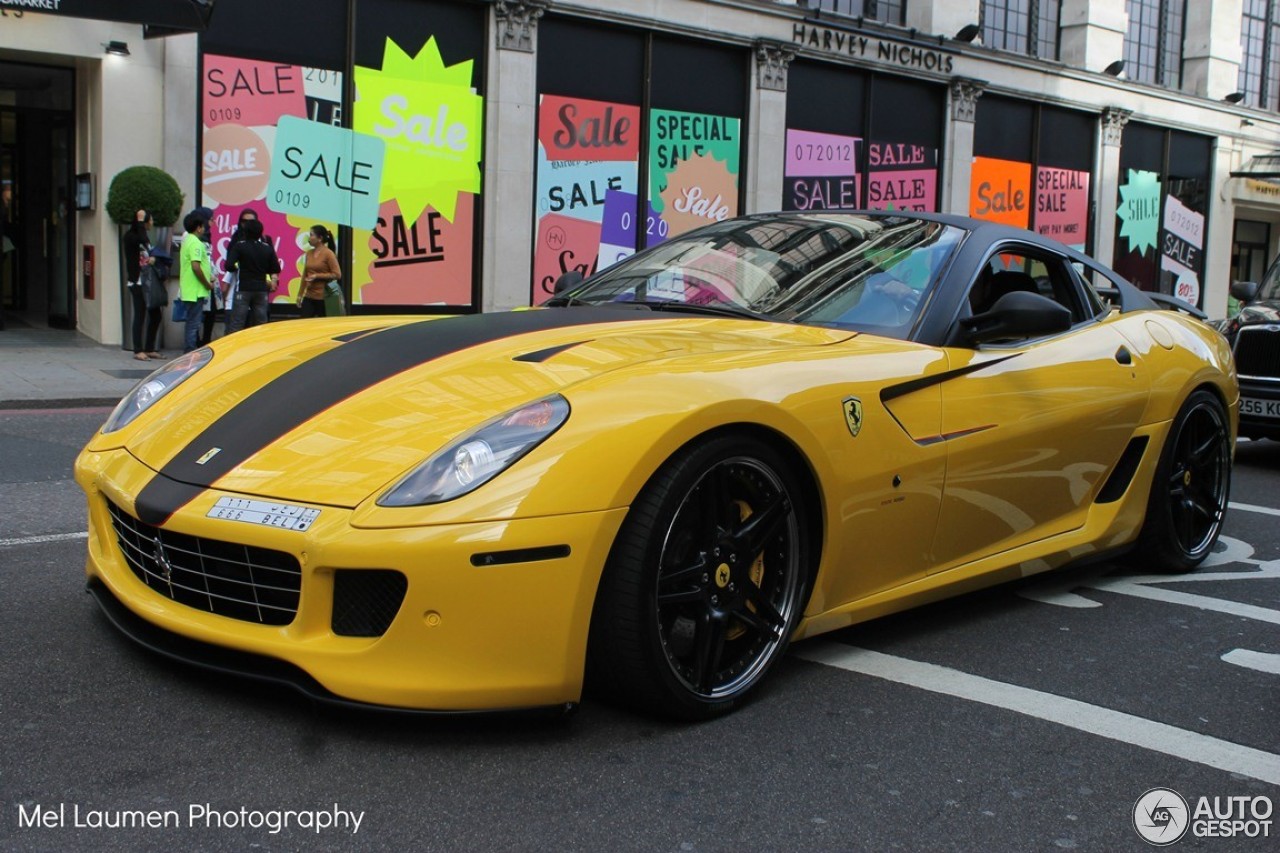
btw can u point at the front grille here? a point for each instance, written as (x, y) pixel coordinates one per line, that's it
(238, 581)
(1258, 352)
(366, 600)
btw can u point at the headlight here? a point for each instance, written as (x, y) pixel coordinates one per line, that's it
(477, 457)
(154, 387)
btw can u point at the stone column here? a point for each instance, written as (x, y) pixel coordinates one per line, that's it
(943, 19)
(510, 155)
(1092, 33)
(1215, 281)
(1108, 182)
(957, 164)
(1211, 49)
(767, 128)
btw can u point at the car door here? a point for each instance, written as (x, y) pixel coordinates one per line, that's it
(1033, 426)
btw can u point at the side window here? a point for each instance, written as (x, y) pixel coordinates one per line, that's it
(1091, 280)
(1032, 272)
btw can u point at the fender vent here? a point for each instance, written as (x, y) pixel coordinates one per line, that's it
(1123, 473)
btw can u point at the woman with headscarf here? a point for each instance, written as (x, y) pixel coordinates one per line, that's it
(137, 256)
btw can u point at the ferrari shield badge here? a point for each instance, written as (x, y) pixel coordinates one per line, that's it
(853, 415)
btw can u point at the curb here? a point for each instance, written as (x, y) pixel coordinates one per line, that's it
(63, 403)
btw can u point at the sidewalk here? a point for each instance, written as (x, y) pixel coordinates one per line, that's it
(45, 367)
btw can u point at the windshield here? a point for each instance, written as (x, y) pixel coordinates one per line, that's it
(870, 273)
(1270, 288)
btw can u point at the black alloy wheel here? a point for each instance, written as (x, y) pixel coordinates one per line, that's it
(1190, 492)
(705, 584)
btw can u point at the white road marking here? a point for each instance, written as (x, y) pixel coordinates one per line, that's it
(1261, 661)
(1203, 602)
(1072, 713)
(36, 540)
(1265, 510)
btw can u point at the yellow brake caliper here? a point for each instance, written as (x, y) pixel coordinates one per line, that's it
(757, 572)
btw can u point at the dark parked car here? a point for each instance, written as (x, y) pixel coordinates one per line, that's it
(1254, 334)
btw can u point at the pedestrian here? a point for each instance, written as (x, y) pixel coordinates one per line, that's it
(196, 276)
(230, 278)
(255, 263)
(216, 301)
(137, 257)
(321, 268)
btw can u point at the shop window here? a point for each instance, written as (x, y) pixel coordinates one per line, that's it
(826, 117)
(1031, 168)
(884, 11)
(1259, 75)
(588, 149)
(419, 84)
(1161, 210)
(903, 144)
(1021, 26)
(275, 33)
(695, 140)
(250, 109)
(1153, 42)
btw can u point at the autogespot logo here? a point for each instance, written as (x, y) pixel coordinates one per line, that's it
(1160, 816)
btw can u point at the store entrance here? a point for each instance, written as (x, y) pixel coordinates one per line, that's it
(37, 133)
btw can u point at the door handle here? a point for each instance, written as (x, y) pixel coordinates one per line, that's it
(1124, 356)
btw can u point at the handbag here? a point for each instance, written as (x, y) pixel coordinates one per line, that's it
(154, 293)
(335, 304)
(179, 311)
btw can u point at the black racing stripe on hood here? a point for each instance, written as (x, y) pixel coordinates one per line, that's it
(297, 396)
(158, 500)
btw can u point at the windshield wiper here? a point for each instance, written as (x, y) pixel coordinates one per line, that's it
(717, 310)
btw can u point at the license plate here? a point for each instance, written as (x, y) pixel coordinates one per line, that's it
(266, 513)
(1260, 408)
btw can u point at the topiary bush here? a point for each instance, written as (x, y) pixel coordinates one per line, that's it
(144, 188)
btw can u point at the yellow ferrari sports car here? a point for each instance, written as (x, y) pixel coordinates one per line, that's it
(771, 427)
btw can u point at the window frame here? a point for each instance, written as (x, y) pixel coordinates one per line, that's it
(1062, 275)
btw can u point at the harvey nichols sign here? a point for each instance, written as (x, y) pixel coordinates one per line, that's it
(859, 46)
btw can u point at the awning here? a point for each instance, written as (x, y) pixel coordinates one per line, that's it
(164, 15)
(1261, 166)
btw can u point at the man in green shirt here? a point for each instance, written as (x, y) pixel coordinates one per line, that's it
(196, 275)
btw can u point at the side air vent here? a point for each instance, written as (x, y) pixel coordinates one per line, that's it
(365, 601)
(1123, 473)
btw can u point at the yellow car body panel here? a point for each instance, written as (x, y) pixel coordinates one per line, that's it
(937, 487)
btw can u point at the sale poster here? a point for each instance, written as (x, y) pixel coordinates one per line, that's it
(325, 172)
(821, 172)
(1062, 205)
(243, 104)
(424, 262)
(693, 172)
(902, 176)
(430, 120)
(588, 159)
(1139, 211)
(1000, 191)
(1181, 245)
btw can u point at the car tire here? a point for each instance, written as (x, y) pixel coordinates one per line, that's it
(1190, 490)
(705, 582)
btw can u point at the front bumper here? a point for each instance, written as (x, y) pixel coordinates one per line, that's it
(1254, 424)
(465, 638)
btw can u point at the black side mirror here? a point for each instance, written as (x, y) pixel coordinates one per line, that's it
(567, 281)
(1245, 291)
(1017, 315)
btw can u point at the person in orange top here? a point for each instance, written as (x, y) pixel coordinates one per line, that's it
(320, 269)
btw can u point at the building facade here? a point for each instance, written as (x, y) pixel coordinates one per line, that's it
(467, 153)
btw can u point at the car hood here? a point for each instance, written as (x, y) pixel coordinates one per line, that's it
(1265, 311)
(331, 413)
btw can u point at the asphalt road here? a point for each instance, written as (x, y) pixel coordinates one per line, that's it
(1029, 717)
